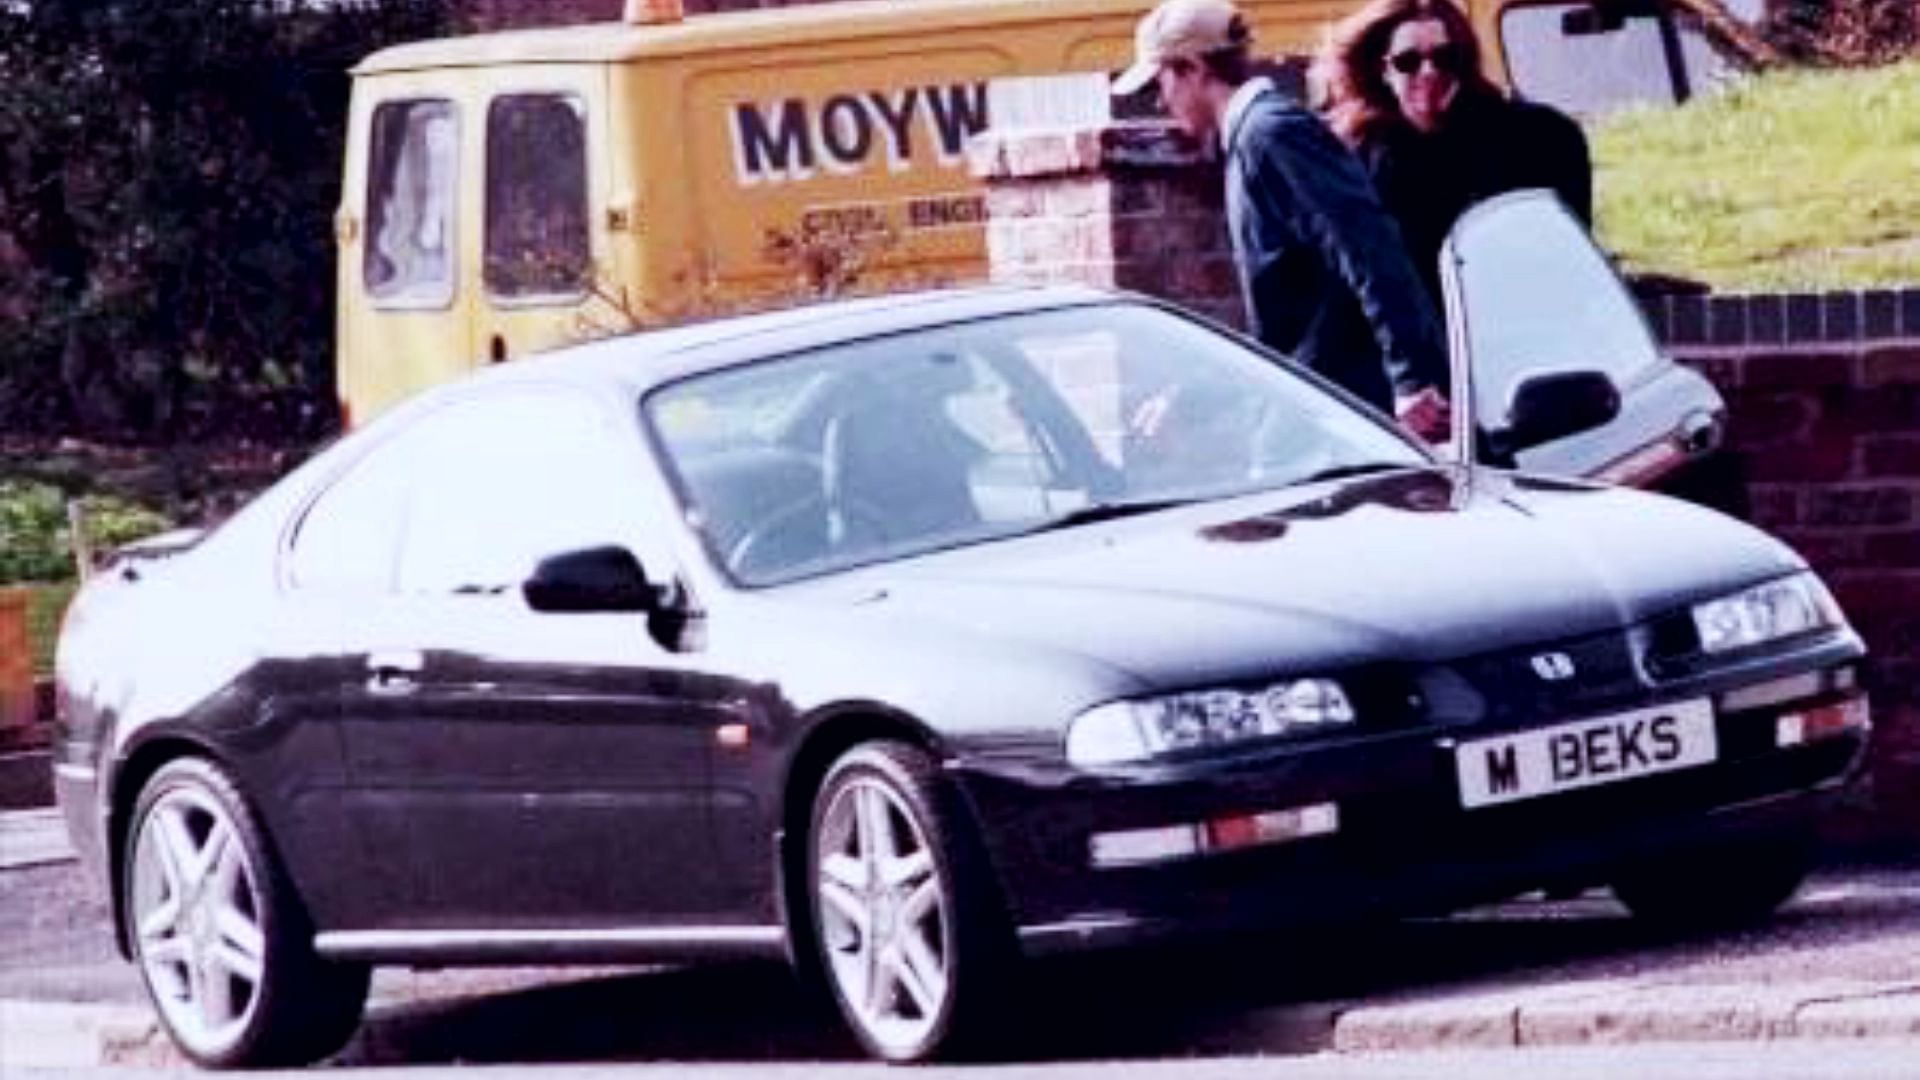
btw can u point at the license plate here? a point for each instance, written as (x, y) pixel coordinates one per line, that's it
(1585, 753)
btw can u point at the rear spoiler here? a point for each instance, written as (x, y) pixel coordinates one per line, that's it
(127, 558)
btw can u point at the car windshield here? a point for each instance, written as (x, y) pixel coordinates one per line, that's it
(894, 446)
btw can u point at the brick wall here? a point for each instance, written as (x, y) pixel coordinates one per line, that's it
(1823, 389)
(1823, 395)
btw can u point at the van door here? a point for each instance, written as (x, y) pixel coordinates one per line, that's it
(1528, 293)
(403, 270)
(543, 170)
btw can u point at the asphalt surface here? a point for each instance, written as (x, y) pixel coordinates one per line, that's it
(1810, 1060)
(1842, 961)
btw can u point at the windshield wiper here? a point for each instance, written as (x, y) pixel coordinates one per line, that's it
(1105, 511)
(1361, 468)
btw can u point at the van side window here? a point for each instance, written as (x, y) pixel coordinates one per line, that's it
(1587, 58)
(409, 260)
(537, 245)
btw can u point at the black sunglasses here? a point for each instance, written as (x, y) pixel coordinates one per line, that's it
(1446, 59)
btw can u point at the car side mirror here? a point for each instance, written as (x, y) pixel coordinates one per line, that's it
(1553, 406)
(591, 579)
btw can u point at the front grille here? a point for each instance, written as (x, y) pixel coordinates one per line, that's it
(1559, 678)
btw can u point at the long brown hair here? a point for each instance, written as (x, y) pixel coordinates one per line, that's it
(1347, 72)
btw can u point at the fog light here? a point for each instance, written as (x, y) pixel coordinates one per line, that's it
(1135, 846)
(1811, 725)
(1772, 692)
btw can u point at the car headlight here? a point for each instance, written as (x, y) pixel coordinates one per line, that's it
(1123, 731)
(1763, 613)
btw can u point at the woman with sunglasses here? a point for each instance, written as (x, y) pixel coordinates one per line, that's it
(1401, 83)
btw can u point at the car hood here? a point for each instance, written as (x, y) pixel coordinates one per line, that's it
(1421, 565)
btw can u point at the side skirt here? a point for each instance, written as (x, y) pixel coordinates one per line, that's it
(478, 947)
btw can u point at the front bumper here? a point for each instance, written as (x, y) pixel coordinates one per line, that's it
(1404, 843)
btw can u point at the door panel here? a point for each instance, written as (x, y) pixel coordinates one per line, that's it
(1528, 293)
(540, 770)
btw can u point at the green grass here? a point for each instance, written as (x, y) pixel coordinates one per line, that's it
(1797, 179)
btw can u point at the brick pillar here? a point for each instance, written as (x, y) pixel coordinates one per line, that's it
(1131, 205)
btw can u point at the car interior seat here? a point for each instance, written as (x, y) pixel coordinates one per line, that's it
(897, 466)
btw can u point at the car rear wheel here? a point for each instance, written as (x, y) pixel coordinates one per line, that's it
(218, 935)
(911, 932)
(1736, 883)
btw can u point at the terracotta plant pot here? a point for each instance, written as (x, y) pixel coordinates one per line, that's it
(16, 662)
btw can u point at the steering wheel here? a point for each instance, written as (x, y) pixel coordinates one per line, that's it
(745, 554)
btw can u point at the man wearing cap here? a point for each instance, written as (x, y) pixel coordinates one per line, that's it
(1323, 270)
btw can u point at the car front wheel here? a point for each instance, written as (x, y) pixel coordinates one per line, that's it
(218, 934)
(912, 935)
(1739, 882)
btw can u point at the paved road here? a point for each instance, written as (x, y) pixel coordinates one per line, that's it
(1709, 1061)
(1844, 959)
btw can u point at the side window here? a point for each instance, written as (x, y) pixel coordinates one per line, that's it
(536, 215)
(1586, 58)
(509, 482)
(350, 536)
(410, 249)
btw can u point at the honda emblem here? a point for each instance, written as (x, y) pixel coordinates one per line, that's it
(1553, 666)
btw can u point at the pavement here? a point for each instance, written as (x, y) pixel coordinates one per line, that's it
(67, 1000)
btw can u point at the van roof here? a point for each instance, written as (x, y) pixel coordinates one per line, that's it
(612, 42)
(649, 358)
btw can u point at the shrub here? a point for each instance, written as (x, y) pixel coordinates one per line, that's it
(36, 543)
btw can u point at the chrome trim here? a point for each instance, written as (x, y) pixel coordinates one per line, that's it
(548, 946)
(79, 774)
(1092, 931)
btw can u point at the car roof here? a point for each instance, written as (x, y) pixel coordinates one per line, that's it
(643, 360)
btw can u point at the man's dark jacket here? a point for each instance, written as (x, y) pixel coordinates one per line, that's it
(1322, 266)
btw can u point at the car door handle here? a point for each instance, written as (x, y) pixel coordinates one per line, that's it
(393, 672)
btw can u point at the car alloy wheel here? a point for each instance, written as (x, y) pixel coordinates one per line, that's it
(910, 934)
(196, 914)
(214, 931)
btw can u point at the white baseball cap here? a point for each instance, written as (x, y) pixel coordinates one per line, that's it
(1180, 28)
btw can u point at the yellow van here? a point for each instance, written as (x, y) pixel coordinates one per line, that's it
(505, 193)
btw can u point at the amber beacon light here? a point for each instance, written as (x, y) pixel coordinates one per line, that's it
(642, 12)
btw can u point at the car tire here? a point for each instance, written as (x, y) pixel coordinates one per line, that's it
(913, 938)
(219, 936)
(1731, 885)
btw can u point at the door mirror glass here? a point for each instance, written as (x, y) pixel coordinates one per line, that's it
(1553, 406)
(592, 579)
